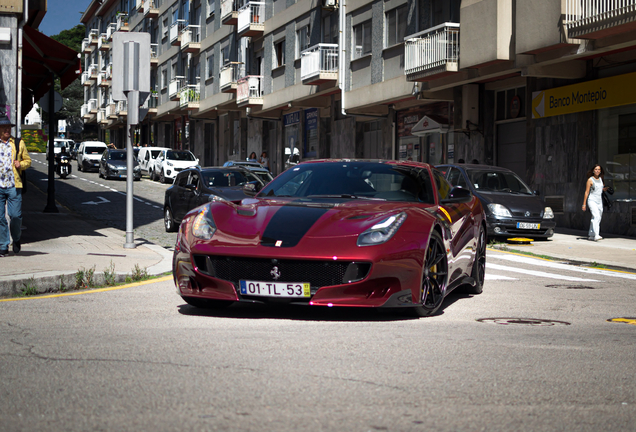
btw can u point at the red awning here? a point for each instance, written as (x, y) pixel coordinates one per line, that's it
(42, 57)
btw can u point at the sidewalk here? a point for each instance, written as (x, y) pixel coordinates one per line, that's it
(55, 246)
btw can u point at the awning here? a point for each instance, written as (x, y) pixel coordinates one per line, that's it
(41, 58)
(430, 124)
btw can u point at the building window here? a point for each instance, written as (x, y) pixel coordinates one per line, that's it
(279, 53)
(395, 26)
(211, 7)
(617, 150)
(165, 27)
(362, 39)
(302, 40)
(210, 73)
(511, 103)
(164, 79)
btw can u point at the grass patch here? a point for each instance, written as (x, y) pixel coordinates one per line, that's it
(29, 288)
(109, 274)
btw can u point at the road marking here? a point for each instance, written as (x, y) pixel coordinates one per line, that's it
(103, 200)
(91, 291)
(504, 268)
(568, 267)
(623, 320)
(498, 277)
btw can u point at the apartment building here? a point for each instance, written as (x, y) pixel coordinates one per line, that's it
(543, 87)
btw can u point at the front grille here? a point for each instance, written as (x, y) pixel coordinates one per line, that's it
(317, 273)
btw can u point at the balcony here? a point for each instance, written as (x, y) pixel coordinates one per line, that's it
(250, 19)
(122, 22)
(86, 46)
(150, 9)
(319, 64)
(93, 36)
(230, 74)
(101, 116)
(248, 91)
(189, 97)
(594, 19)
(112, 28)
(86, 78)
(111, 111)
(92, 106)
(173, 87)
(121, 108)
(84, 111)
(175, 31)
(103, 44)
(93, 71)
(154, 55)
(432, 53)
(191, 39)
(229, 12)
(139, 5)
(102, 79)
(153, 103)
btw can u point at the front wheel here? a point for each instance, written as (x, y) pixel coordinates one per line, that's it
(434, 277)
(162, 177)
(479, 265)
(168, 220)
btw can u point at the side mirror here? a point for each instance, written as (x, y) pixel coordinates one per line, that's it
(457, 195)
(191, 186)
(537, 193)
(252, 188)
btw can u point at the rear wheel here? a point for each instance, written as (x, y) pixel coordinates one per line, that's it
(206, 303)
(162, 177)
(79, 166)
(168, 220)
(479, 265)
(434, 277)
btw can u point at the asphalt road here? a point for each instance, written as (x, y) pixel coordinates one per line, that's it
(139, 358)
(85, 194)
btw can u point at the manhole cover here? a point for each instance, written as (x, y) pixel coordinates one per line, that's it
(565, 286)
(523, 321)
(626, 320)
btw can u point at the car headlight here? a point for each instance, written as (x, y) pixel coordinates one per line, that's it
(137, 168)
(203, 226)
(113, 167)
(382, 231)
(216, 198)
(548, 213)
(169, 163)
(499, 211)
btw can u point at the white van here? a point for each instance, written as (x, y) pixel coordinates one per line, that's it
(89, 155)
(58, 143)
(146, 158)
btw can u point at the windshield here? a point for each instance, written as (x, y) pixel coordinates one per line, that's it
(117, 155)
(94, 150)
(226, 178)
(497, 181)
(182, 155)
(364, 180)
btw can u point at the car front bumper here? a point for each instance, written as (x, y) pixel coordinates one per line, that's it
(511, 228)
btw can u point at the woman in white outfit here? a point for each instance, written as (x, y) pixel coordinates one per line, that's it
(593, 189)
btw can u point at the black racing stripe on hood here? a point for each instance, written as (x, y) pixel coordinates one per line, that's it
(289, 224)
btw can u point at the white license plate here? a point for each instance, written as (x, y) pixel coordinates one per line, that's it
(276, 289)
(526, 225)
(123, 176)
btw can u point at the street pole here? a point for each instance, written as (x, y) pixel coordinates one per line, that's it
(50, 201)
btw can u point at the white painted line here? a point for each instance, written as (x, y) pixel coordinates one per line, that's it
(559, 266)
(498, 277)
(490, 266)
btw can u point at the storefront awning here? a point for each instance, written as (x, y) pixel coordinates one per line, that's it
(430, 124)
(43, 57)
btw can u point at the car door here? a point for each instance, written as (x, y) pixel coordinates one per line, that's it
(197, 196)
(103, 169)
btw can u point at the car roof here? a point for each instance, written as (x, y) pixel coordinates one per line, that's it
(380, 161)
(94, 143)
(476, 166)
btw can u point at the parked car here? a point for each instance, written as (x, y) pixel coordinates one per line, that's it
(194, 187)
(512, 209)
(74, 150)
(254, 167)
(336, 233)
(89, 154)
(58, 143)
(169, 162)
(146, 158)
(243, 163)
(114, 164)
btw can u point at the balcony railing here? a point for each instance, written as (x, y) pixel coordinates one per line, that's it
(154, 54)
(92, 106)
(112, 28)
(153, 101)
(109, 71)
(173, 87)
(86, 78)
(251, 18)
(103, 44)
(189, 96)
(432, 52)
(591, 19)
(122, 22)
(86, 46)
(93, 71)
(230, 74)
(110, 110)
(150, 9)
(93, 36)
(175, 30)
(101, 115)
(102, 79)
(248, 91)
(84, 110)
(190, 37)
(122, 108)
(229, 11)
(319, 62)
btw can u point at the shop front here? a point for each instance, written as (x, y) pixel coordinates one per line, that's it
(423, 135)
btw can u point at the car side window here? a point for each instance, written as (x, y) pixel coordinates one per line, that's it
(181, 180)
(456, 178)
(194, 179)
(443, 186)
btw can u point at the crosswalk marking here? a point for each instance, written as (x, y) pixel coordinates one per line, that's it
(505, 268)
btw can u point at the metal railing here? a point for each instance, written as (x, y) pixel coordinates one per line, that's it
(102, 78)
(175, 29)
(112, 28)
(251, 13)
(92, 105)
(101, 115)
(84, 110)
(86, 45)
(86, 78)
(153, 100)
(93, 70)
(188, 94)
(93, 36)
(431, 49)
(227, 7)
(587, 16)
(231, 73)
(154, 51)
(248, 88)
(321, 58)
(175, 84)
(148, 5)
(110, 110)
(122, 107)
(190, 33)
(122, 21)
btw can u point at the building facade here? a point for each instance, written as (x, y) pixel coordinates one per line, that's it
(541, 87)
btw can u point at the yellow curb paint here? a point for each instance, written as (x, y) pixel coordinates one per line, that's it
(89, 291)
(623, 320)
(548, 259)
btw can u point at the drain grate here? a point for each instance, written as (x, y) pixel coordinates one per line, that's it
(565, 286)
(523, 321)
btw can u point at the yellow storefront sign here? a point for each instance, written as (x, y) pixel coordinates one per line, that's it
(590, 95)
